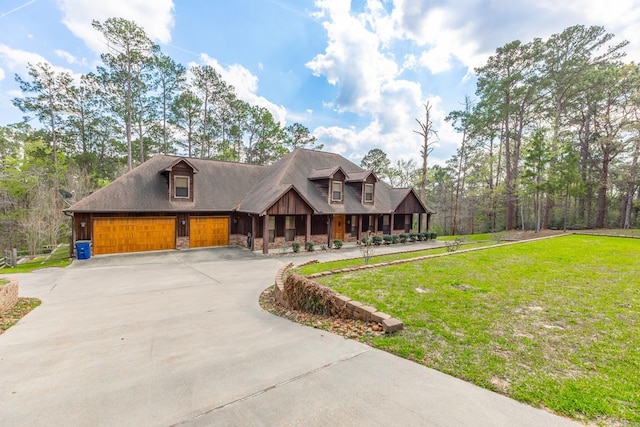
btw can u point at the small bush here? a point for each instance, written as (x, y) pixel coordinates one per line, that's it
(337, 243)
(296, 247)
(377, 240)
(403, 237)
(433, 235)
(395, 238)
(413, 236)
(387, 239)
(424, 235)
(366, 241)
(309, 247)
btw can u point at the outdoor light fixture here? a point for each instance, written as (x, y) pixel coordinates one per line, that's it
(83, 224)
(183, 222)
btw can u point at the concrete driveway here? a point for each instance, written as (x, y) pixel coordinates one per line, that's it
(178, 338)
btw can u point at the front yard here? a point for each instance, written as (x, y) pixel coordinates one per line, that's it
(554, 323)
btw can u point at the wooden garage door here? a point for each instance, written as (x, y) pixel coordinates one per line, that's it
(117, 235)
(208, 231)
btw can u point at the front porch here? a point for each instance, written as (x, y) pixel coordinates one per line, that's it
(281, 231)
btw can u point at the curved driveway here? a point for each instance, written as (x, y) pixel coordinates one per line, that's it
(178, 338)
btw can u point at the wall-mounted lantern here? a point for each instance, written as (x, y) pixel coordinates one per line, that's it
(83, 224)
(183, 222)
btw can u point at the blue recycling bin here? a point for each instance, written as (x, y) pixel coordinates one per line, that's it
(83, 249)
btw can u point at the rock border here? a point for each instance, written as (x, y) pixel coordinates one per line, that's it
(8, 295)
(337, 304)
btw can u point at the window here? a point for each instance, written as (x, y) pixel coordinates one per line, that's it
(289, 228)
(336, 191)
(368, 193)
(181, 187)
(272, 229)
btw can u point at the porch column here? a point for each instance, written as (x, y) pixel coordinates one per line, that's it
(307, 237)
(391, 222)
(375, 224)
(330, 230)
(265, 234)
(428, 222)
(359, 228)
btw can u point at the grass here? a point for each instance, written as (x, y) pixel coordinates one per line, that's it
(553, 323)
(355, 262)
(58, 258)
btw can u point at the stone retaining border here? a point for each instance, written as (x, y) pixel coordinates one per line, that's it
(8, 295)
(343, 306)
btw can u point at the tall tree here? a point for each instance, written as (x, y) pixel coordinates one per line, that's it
(377, 161)
(298, 136)
(129, 52)
(428, 133)
(170, 77)
(48, 102)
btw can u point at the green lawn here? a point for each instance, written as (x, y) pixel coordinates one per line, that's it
(554, 323)
(59, 258)
(355, 262)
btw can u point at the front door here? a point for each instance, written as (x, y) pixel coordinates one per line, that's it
(338, 227)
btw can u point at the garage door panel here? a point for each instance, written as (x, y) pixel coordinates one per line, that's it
(118, 235)
(208, 231)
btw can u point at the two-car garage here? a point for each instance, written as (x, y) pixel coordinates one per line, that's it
(140, 234)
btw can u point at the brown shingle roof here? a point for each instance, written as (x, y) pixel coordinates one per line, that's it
(225, 186)
(218, 186)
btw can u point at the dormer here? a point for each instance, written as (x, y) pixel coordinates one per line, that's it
(179, 176)
(364, 183)
(332, 181)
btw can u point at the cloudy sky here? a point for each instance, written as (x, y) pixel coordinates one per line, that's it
(356, 73)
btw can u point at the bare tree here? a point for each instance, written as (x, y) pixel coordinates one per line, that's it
(426, 131)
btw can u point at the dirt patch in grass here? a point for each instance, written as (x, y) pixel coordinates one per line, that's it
(10, 317)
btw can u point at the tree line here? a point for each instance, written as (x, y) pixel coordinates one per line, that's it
(550, 140)
(79, 133)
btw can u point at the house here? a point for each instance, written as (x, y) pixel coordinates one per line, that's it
(172, 202)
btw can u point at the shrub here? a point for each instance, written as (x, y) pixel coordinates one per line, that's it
(424, 235)
(413, 236)
(433, 235)
(296, 247)
(387, 239)
(377, 240)
(366, 241)
(403, 237)
(337, 243)
(309, 246)
(395, 238)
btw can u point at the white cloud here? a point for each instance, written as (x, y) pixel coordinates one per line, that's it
(69, 57)
(2, 74)
(246, 86)
(362, 65)
(155, 16)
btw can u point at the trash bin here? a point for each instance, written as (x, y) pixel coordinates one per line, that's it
(83, 249)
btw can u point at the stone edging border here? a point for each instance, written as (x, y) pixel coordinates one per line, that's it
(351, 309)
(8, 295)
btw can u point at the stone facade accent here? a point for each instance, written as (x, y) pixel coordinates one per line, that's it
(183, 242)
(8, 295)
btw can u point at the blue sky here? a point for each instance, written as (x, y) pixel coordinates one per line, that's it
(355, 73)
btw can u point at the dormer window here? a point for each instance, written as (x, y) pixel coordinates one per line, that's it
(181, 187)
(368, 193)
(336, 191)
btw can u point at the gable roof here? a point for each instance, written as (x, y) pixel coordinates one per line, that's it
(226, 186)
(145, 188)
